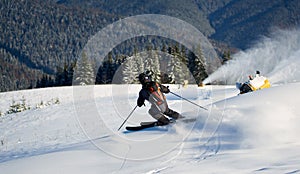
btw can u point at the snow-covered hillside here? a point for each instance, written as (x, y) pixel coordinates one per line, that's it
(251, 133)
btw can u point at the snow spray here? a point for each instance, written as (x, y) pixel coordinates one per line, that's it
(277, 57)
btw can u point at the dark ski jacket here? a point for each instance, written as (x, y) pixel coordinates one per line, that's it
(152, 92)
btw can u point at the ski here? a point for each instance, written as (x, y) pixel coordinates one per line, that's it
(141, 127)
(144, 125)
(149, 124)
(153, 122)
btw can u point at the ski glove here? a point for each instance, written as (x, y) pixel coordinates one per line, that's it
(165, 89)
(140, 102)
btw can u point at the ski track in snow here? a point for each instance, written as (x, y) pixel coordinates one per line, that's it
(234, 136)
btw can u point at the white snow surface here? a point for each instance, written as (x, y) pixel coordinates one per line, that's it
(251, 133)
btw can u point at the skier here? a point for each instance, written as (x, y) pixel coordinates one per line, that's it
(153, 92)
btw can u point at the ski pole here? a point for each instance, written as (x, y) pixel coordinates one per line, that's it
(188, 100)
(127, 117)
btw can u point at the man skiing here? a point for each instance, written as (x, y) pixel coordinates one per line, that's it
(153, 92)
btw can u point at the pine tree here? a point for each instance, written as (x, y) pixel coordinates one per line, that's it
(179, 75)
(170, 71)
(151, 62)
(184, 61)
(156, 66)
(59, 80)
(107, 70)
(130, 71)
(139, 62)
(84, 71)
(226, 56)
(199, 71)
(170, 65)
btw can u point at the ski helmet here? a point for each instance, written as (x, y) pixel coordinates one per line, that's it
(145, 77)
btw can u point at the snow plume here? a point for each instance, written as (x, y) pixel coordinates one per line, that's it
(277, 57)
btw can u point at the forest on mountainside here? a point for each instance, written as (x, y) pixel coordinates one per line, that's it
(40, 41)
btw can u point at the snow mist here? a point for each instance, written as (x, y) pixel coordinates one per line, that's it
(277, 57)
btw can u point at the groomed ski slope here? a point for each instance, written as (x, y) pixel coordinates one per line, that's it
(251, 133)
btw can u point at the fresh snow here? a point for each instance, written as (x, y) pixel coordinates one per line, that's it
(251, 133)
(255, 132)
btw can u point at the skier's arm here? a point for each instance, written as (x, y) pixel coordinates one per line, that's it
(140, 102)
(141, 99)
(164, 89)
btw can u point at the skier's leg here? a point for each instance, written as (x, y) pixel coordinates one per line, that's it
(156, 113)
(162, 120)
(173, 114)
